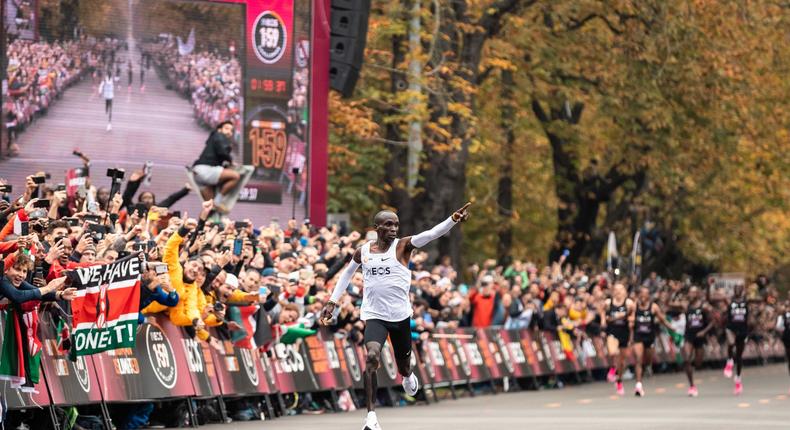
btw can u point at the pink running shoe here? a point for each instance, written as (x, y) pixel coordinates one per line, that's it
(620, 390)
(738, 388)
(693, 391)
(612, 375)
(728, 369)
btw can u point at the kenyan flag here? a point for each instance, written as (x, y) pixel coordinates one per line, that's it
(106, 306)
(21, 351)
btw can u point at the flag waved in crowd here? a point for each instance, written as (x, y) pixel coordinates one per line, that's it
(106, 306)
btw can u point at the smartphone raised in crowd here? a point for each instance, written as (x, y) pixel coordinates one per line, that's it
(24, 228)
(141, 209)
(161, 269)
(238, 244)
(92, 219)
(97, 231)
(41, 203)
(38, 180)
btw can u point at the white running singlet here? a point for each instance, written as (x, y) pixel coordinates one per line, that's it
(387, 281)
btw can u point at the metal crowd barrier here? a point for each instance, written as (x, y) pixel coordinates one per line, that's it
(168, 364)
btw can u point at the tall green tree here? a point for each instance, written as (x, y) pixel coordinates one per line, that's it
(624, 112)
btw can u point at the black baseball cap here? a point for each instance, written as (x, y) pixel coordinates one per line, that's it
(287, 255)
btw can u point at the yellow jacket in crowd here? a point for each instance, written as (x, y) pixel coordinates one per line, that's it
(188, 308)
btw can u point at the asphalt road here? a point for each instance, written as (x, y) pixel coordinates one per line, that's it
(765, 404)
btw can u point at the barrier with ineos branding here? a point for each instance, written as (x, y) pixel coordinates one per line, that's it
(155, 368)
(167, 363)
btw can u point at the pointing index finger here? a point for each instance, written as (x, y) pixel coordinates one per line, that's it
(466, 206)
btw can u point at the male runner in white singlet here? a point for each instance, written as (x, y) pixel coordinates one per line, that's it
(386, 309)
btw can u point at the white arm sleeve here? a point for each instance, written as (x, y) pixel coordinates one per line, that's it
(440, 230)
(345, 279)
(780, 323)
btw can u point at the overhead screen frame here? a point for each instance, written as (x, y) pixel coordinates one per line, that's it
(318, 161)
(318, 125)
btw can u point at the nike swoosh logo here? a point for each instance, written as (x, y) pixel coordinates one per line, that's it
(385, 259)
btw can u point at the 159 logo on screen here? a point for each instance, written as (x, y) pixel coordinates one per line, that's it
(269, 144)
(269, 37)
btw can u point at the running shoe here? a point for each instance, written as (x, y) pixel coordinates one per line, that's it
(612, 375)
(738, 387)
(639, 391)
(109, 126)
(693, 391)
(620, 390)
(728, 369)
(371, 422)
(411, 385)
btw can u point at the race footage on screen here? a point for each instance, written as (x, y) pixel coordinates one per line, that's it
(130, 82)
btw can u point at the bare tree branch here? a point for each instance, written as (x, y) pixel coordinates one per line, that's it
(577, 24)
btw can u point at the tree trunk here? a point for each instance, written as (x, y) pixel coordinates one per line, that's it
(395, 174)
(443, 177)
(505, 185)
(580, 194)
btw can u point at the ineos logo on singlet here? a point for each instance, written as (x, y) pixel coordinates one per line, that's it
(378, 271)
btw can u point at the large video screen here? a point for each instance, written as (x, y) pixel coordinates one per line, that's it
(135, 82)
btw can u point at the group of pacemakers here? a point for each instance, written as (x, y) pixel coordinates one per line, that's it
(631, 324)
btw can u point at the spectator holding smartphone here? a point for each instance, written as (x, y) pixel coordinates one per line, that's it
(156, 288)
(16, 289)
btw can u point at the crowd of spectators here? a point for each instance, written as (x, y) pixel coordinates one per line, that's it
(210, 80)
(288, 271)
(39, 73)
(220, 272)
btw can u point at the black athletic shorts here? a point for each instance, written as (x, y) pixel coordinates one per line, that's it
(399, 334)
(786, 341)
(646, 339)
(621, 333)
(698, 342)
(740, 332)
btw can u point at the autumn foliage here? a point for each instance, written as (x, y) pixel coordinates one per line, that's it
(603, 115)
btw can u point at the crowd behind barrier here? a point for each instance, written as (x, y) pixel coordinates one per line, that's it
(210, 80)
(235, 311)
